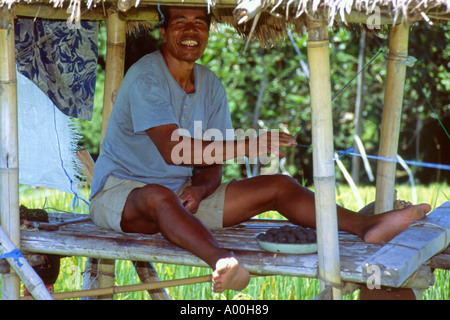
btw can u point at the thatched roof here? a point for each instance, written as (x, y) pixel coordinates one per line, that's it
(394, 10)
(272, 15)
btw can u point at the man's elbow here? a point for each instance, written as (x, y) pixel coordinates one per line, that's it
(176, 156)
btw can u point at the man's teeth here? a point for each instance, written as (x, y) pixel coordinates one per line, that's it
(189, 42)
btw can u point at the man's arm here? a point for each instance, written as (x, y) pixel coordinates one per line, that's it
(192, 151)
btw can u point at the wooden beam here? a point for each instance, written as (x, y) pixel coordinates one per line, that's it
(33, 260)
(85, 239)
(441, 260)
(147, 273)
(106, 276)
(128, 288)
(323, 151)
(99, 13)
(396, 261)
(203, 3)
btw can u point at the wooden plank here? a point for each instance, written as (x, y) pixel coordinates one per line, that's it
(403, 255)
(441, 260)
(87, 240)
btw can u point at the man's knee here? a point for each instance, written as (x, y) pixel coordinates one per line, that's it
(282, 181)
(143, 208)
(153, 196)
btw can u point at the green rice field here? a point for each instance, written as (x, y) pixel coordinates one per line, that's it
(260, 288)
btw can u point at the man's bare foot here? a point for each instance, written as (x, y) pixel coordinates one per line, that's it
(229, 274)
(391, 223)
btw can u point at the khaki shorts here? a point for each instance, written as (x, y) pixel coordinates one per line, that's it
(106, 207)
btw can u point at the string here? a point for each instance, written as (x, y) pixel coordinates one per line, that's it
(353, 78)
(421, 223)
(432, 108)
(388, 159)
(15, 254)
(350, 152)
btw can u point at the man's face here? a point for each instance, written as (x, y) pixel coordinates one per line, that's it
(187, 34)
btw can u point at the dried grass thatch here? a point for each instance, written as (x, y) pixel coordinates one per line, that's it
(275, 15)
(396, 10)
(272, 15)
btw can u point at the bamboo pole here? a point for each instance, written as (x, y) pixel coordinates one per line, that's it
(323, 164)
(148, 274)
(114, 72)
(115, 62)
(105, 276)
(9, 159)
(128, 288)
(390, 126)
(30, 278)
(88, 164)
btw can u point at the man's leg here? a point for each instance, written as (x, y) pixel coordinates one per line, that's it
(246, 198)
(154, 208)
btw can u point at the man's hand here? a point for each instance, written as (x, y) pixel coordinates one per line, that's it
(191, 198)
(269, 143)
(205, 180)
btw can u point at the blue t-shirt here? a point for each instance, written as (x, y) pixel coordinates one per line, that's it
(149, 97)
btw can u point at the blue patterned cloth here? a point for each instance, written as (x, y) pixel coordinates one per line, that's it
(62, 62)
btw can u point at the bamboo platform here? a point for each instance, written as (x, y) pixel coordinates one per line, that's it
(406, 261)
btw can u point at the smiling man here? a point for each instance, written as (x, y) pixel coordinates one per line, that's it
(185, 37)
(138, 188)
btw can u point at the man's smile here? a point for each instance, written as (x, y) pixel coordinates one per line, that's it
(189, 43)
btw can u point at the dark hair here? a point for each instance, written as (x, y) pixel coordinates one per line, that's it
(164, 14)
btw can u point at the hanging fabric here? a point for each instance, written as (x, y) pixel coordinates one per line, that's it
(62, 62)
(47, 141)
